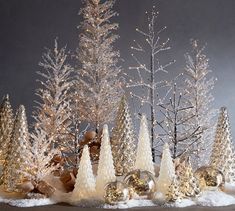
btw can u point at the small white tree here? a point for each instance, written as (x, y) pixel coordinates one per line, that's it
(106, 171)
(144, 159)
(85, 181)
(167, 171)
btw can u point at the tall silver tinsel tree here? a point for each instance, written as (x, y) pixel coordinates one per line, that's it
(53, 111)
(145, 84)
(198, 87)
(98, 85)
(6, 126)
(123, 140)
(223, 154)
(16, 160)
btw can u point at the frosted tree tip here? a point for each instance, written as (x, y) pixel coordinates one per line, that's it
(105, 128)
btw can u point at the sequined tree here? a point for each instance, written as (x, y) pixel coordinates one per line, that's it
(98, 85)
(106, 171)
(167, 171)
(144, 159)
(53, 111)
(16, 160)
(85, 181)
(198, 90)
(123, 140)
(144, 83)
(223, 157)
(189, 185)
(6, 126)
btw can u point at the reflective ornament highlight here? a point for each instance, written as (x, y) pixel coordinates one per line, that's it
(140, 182)
(116, 192)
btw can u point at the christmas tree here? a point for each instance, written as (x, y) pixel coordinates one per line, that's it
(223, 157)
(53, 111)
(85, 181)
(98, 86)
(144, 159)
(198, 87)
(16, 160)
(145, 86)
(6, 126)
(39, 156)
(106, 171)
(167, 171)
(189, 185)
(123, 140)
(173, 194)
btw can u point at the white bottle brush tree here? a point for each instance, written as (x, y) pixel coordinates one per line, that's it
(84, 187)
(167, 172)
(106, 171)
(98, 85)
(223, 154)
(144, 159)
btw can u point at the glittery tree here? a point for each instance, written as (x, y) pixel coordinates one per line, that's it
(189, 185)
(6, 126)
(173, 194)
(145, 85)
(198, 87)
(53, 111)
(85, 181)
(144, 159)
(123, 140)
(106, 171)
(223, 157)
(16, 160)
(98, 85)
(167, 171)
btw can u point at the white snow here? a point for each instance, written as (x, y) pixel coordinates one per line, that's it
(31, 202)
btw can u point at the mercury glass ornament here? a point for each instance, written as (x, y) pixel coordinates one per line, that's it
(140, 182)
(116, 192)
(209, 178)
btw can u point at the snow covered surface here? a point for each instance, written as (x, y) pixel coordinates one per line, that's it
(206, 198)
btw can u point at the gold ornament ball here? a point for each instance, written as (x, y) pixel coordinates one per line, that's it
(209, 178)
(89, 135)
(140, 182)
(116, 192)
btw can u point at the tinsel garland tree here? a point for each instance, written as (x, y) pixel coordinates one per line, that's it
(98, 85)
(189, 185)
(85, 182)
(53, 111)
(144, 159)
(223, 156)
(6, 126)
(17, 161)
(123, 140)
(198, 90)
(39, 156)
(106, 171)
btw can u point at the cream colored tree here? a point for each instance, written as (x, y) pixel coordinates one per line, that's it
(85, 181)
(144, 159)
(6, 126)
(223, 157)
(167, 171)
(106, 171)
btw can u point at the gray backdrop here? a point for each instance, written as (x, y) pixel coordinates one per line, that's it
(26, 26)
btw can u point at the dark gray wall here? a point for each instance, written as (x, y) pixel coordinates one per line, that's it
(26, 26)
